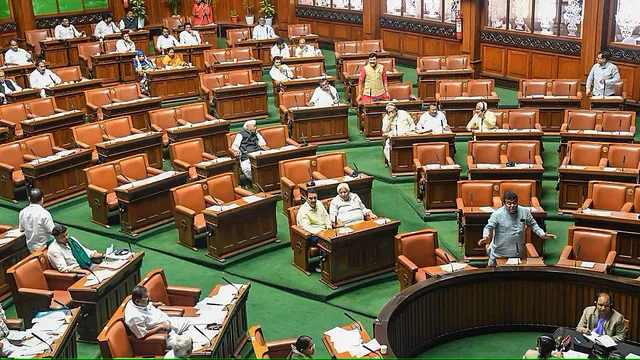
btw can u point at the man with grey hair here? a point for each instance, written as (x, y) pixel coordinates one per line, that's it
(347, 208)
(247, 141)
(395, 122)
(182, 348)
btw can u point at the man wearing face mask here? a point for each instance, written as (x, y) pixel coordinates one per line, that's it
(263, 31)
(190, 36)
(395, 122)
(279, 71)
(166, 41)
(125, 44)
(324, 95)
(7, 86)
(507, 228)
(66, 31)
(433, 121)
(303, 49)
(483, 119)
(129, 22)
(106, 27)
(247, 141)
(372, 84)
(143, 318)
(42, 78)
(347, 208)
(280, 49)
(16, 55)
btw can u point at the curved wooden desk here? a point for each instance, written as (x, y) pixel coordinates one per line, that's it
(497, 300)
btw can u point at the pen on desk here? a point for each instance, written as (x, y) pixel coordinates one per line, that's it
(577, 341)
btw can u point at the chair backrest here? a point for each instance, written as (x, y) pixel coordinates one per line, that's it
(636, 200)
(629, 153)
(426, 153)
(30, 274)
(346, 47)
(618, 120)
(13, 113)
(533, 87)
(353, 67)
(126, 92)
(296, 170)
(189, 151)
(239, 77)
(525, 189)
(86, 50)
(456, 62)
(580, 119)
(523, 118)
(485, 152)
(480, 87)
(163, 118)
(618, 88)
(221, 55)
(134, 167)
(331, 164)
(117, 341)
(118, 127)
(450, 88)
(97, 97)
(310, 70)
(42, 107)
(595, 244)
(190, 196)
(193, 113)
(70, 73)
(103, 175)
(90, 134)
(388, 63)
(110, 45)
(367, 46)
(419, 247)
(222, 187)
(584, 153)
(235, 35)
(298, 29)
(156, 284)
(292, 98)
(562, 87)
(400, 91)
(523, 152)
(11, 154)
(430, 63)
(42, 145)
(174, 22)
(241, 53)
(33, 37)
(213, 80)
(481, 192)
(274, 136)
(609, 196)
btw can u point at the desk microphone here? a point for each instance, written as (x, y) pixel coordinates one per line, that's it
(449, 260)
(304, 142)
(525, 90)
(109, 96)
(230, 283)
(261, 189)
(438, 158)
(175, 118)
(518, 251)
(106, 133)
(71, 104)
(311, 182)
(624, 157)
(37, 157)
(486, 87)
(75, 142)
(474, 159)
(94, 274)
(335, 227)
(530, 123)
(29, 110)
(244, 36)
(211, 151)
(295, 99)
(569, 123)
(530, 164)
(445, 90)
(52, 79)
(577, 254)
(358, 69)
(216, 58)
(354, 320)
(61, 304)
(127, 178)
(203, 334)
(356, 171)
(41, 339)
(619, 126)
(569, 90)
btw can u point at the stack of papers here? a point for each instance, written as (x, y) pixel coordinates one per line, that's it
(573, 131)
(149, 180)
(287, 147)
(219, 208)
(330, 181)
(487, 209)
(56, 156)
(488, 166)
(571, 354)
(381, 221)
(130, 137)
(606, 341)
(101, 276)
(575, 167)
(596, 212)
(350, 341)
(454, 266)
(214, 161)
(587, 264)
(198, 340)
(610, 169)
(589, 131)
(523, 166)
(345, 230)
(252, 198)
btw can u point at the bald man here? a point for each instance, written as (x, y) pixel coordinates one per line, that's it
(602, 319)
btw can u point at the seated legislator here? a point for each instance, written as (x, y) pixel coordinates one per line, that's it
(589, 249)
(280, 72)
(17, 56)
(142, 65)
(129, 22)
(263, 31)
(66, 30)
(395, 122)
(42, 78)
(172, 59)
(189, 36)
(545, 348)
(303, 49)
(506, 230)
(106, 27)
(144, 319)
(7, 86)
(165, 41)
(186, 154)
(433, 121)
(483, 119)
(280, 49)
(324, 95)
(313, 217)
(125, 44)
(247, 141)
(347, 208)
(304, 348)
(602, 319)
(67, 254)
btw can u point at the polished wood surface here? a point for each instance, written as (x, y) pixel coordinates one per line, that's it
(241, 103)
(551, 109)
(61, 53)
(11, 253)
(319, 125)
(402, 150)
(174, 84)
(215, 167)
(137, 109)
(70, 95)
(370, 115)
(440, 187)
(437, 271)
(427, 80)
(150, 144)
(58, 124)
(255, 66)
(264, 165)
(365, 252)
(98, 302)
(23, 95)
(212, 134)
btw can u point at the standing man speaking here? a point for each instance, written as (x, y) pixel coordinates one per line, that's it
(372, 84)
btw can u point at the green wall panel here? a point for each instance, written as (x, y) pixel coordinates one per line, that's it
(70, 5)
(96, 4)
(43, 7)
(5, 11)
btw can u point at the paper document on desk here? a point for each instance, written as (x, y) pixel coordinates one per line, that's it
(230, 289)
(523, 166)
(486, 209)
(180, 324)
(632, 356)
(571, 354)
(252, 198)
(113, 264)
(360, 350)
(381, 221)
(606, 341)
(220, 208)
(5, 240)
(328, 181)
(573, 131)
(454, 266)
(102, 276)
(343, 340)
(589, 131)
(513, 261)
(488, 166)
(197, 337)
(345, 230)
(587, 264)
(288, 147)
(15, 335)
(576, 167)
(610, 169)
(596, 212)
(206, 317)
(13, 233)
(592, 336)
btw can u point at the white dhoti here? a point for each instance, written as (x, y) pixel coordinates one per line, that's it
(245, 166)
(387, 150)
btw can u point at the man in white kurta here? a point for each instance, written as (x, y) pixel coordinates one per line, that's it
(433, 121)
(66, 31)
(166, 40)
(42, 78)
(279, 71)
(247, 141)
(125, 44)
(16, 55)
(324, 95)
(347, 208)
(143, 318)
(280, 49)
(60, 255)
(106, 27)
(190, 36)
(263, 31)
(305, 50)
(395, 122)
(35, 221)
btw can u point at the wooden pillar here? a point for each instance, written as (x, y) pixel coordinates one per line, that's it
(118, 10)
(593, 31)
(371, 19)
(472, 11)
(23, 15)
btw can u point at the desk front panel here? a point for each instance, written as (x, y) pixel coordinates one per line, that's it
(265, 171)
(175, 85)
(151, 145)
(440, 190)
(627, 241)
(551, 111)
(321, 126)
(242, 103)
(574, 186)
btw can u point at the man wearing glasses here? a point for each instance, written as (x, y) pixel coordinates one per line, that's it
(602, 319)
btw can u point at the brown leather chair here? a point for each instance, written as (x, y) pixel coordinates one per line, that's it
(127, 92)
(235, 35)
(70, 73)
(563, 87)
(163, 119)
(520, 119)
(275, 349)
(33, 38)
(241, 53)
(618, 121)
(42, 145)
(214, 56)
(623, 156)
(532, 87)
(401, 91)
(575, 119)
(636, 201)
(110, 45)
(101, 183)
(483, 152)
(368, 46)
(299, 237)
(42, 107)
(184, 297)
(239, 77)
(85, 52)
(583, 153)
(95, 99)
(332, 165)
(456, 62)
(185, 154)
(473, 194)
(188, 203)
(119, 127)
(415, 251)
(424, 154)
(596, 245)
(292, 173)
(450, 88)
(11, 115)
(522, 152)
(136, 167)
(175, 22)
(426, 63)
(480, 87)
(289, 99)
(610, 196)
(296, 30)
(309, 70)
(346, 47)
(211, 81)
(525, 189)
(11, 176)
(224, 189)
(194, 113)
(87, 136)
(352, 68)
(276, 136)
(35, 285)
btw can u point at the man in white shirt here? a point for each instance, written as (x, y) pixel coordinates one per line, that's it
(304, 50)
(35, 222)
(143, 318)
(324, 95)
(190, 36)
(166, 41)
(433, 121)
(67, 254)
(16, 55)
(280, 72)
(66, 31)
(280, 49)
(7, 86)
(347, 208)
(263, 31)
(42, 78)
(247, 141)
(125, 44)
(603, 76)
(313, 217)
(395, 122)
(182, 348)
(106, 27)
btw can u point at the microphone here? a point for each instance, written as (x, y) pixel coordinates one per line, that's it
(530, 123)
(52, 79)
(94, 274)
(438, 158)
(106, 133)
(311, 182)
(61, 304)
(109, 96)
(471, 201)
(569, 123)
(211, 151)
(202, 333)
(175, 118)
(335, 228)
(304, 142)
(216, 58)
(569, 90)
(357, 69)
(295, 99)
(71, 104)
(525, 90)
(449, 260)
(244, 36)
(261, 189)
(29, 110)
(619, 126)
(356, 171)
(577, 254)
(230, 283)
(624, 157)
(75, 142)
(354, 320)
(445, 90)
(129, 180)
(37, 157)
(518, 253)
(530, 164)
(486, 87)
(41, 339)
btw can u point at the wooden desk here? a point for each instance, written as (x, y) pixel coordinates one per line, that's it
(174, 84)
(574, 183)
(215, 167)
(351, 84)
(326, 340)
(319, 125)
(212, 134)
(402, 150)
(61, 53)
(23, 95)
(296, 61)
(436, 271)
(58, 124)
(255, 66)
(510, 134)
(60, 178)
(141, 39)
(100, 301)
(367, 251)
(242, 102)
(66, 346)
(145, 204)
(138, 110)
(247, 226)
(149, 143)
(194, 54)
(262, 49)
(307, 85)
(523, 262)
(440, 187)
(551, 109)
(20, 73)
(264, 165)
(628, 227)
(5, 135)
(503, 172)
(598, 267)
(461, 109)
(208, 34)
(10, 253)
(370, 115)
(70, 95)
(427, 80)
(592, 135)
(327, 189)
(606, 102)
(105, 67)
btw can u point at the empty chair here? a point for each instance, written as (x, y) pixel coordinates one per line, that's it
(185, 154)
(95, 99)
(87, 136)
(85, 52)
(71, 73)
(523, 152)
(119, 127)
(521, 119)
(11, 175)
(579, 120)
(11, 115)
(596, 245)
(415, 251)
(263, 349)
(163, 119)
(583, 153)
(188, 201)
(194, 113)
(332, 165)
(292, 173)
(483, 152)
(101, 183)
(609, 196)
(136, 167)
(623, 156)
(185, 297)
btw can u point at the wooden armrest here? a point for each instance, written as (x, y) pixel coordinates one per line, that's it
(6, 167)
(57, 149)
(598, 127)
(98, 189)
(172, 310)
(208, 156)
(83, 145)
(442, 258)
(347, 170)
(56, 275)
(535, 202)
(587, 203)
(459, 204)
(35, 293)
(205, 90)
(470, 160)
(627, 207)
(156, 128)
(135, 131)
(417, 164)
(242, 192)
(58, 110)
(184, 291)
(290, 141)
(450, 161)
(301, 232)
(611, 258)
(14, 324)
(603, 162)
(283, 109)
(185, 211)
(318, 175)
(153, 171)
(538, 160)
(531, 250)
(183, 166)
(632, 129)
(288, 183)
(28, 157)
(567, 253)
(404, 261)
(6, 123)
(565, 161)
(208, 117)
(506, 126)
(113, 99)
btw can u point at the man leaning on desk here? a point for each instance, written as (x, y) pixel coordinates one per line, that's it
(602, 319)
(67, 254)
(347, 208)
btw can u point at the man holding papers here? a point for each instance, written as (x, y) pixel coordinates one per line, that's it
(144, 319)
(602, 319)
(66, 254)
(507, 225)
(347, 208)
